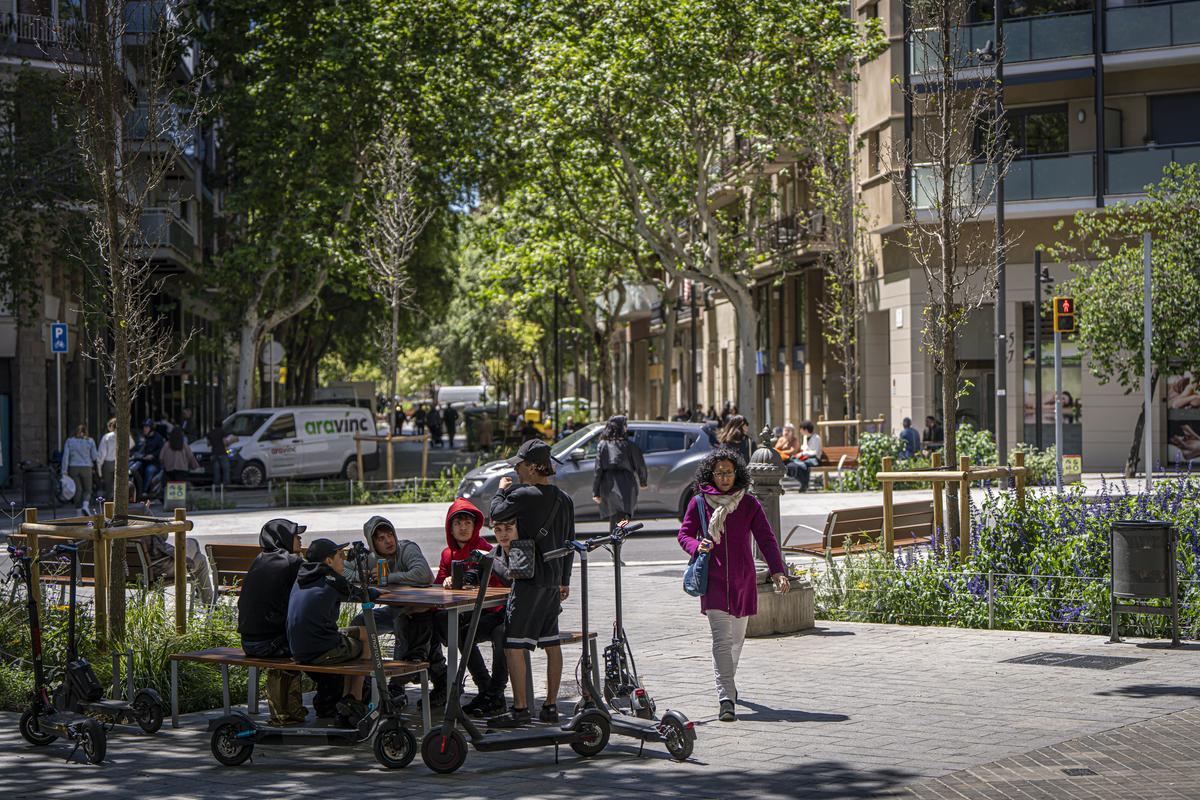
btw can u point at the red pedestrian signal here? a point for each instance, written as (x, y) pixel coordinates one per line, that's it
(1064, 315)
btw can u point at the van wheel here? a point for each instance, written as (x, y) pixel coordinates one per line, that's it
(253, 475)
(350, 469)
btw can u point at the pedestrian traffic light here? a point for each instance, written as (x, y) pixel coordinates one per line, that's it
(1064, 315)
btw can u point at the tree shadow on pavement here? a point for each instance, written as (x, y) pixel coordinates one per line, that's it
(763, 713)
(1144, 691)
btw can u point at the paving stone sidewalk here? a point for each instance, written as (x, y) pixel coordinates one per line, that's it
(847, 710)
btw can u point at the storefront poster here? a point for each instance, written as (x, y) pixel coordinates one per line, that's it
(1183, 420)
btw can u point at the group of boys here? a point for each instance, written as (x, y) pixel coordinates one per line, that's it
(290, 603)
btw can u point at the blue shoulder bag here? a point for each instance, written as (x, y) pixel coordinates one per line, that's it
(695, 579)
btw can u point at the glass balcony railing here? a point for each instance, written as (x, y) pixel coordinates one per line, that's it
(1026, 39)
(1147, 25)
(162, 228)
(1051, 177)
(1131, 170)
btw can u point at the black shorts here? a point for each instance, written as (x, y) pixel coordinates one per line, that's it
(531, 617)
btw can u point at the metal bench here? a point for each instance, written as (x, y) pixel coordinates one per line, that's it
(226, 657)
(855, 530)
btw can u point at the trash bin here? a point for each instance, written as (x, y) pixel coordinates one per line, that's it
(1143, 567)
(38, 488)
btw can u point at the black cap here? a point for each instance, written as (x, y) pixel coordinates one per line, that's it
(535, 451)
(321, 549)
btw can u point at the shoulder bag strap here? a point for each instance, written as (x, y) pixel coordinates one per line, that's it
(703, 517)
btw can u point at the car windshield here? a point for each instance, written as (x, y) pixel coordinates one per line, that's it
(245, 424)
(564, 446)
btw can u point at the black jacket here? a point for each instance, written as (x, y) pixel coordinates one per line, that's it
(263, 603)
(535, 511)
(312, 613)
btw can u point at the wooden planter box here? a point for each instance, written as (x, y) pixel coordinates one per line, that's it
(783, 613)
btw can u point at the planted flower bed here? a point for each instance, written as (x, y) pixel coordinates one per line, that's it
(1045, 568)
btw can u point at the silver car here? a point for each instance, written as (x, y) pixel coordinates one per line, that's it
(673, 450)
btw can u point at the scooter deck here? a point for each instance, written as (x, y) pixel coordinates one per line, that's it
(109, 706)
(60, 720)
(521, 738)
(268, 735)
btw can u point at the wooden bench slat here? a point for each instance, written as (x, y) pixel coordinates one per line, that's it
(860, 529)
(234, 656)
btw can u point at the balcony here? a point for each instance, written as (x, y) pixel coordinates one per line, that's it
(168, 127)
(149, 16)
(1043, 177)
(1039, 38)
(791, 234)
(1132, 169)
(45, 31)
(1150, 25)
(165, 234)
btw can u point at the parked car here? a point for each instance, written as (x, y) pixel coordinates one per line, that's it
(299, 442)
(673, 451)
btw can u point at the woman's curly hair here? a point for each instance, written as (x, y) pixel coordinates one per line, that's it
(704, 473)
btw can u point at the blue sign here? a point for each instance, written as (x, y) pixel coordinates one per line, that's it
(58, 337)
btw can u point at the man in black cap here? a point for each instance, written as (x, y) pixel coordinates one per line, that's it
(312, 616)
(544, 514)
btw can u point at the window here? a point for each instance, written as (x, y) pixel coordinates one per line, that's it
(1175, 118)
(1035, 131)
(245, 424)
(282, 428)
(660, 441)
(871, 11)
(874, 159)
(799, 314)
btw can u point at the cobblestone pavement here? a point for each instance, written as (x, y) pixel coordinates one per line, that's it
(844, 711)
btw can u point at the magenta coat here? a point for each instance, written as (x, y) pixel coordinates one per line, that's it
(732, 578)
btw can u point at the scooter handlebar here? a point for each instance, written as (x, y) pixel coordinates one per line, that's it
(66, 548)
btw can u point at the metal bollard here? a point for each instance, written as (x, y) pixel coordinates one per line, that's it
(129, 675)
(350, 491)
(287, 494)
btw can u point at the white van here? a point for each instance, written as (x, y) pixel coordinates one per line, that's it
(299, 442)
(459, 396)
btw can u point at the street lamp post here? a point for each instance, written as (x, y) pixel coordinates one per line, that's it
(1001, 257)
(693, 393)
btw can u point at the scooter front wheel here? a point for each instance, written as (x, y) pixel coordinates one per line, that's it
(228, 749)
(92, 740)
(148, 711)
(443, 754)
(594, 729)
(679, 744)
(32, 733)
(394, 745)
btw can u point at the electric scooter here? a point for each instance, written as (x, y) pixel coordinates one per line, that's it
(629, 707)
(234, 735)
(42, 723)
(81, 693)
(444, 749)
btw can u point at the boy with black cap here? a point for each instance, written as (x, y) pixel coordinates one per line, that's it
(312, 616)
(545, 514)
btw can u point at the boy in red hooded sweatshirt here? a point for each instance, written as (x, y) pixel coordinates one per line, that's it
(463, 522)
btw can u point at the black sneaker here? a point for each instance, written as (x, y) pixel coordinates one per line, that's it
(494, 704)
(349, 712)
(475, 708)
(549, 714)
(513, 718)
(727, 714)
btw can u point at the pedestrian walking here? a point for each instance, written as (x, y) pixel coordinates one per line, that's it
(218, 446)
(620, 470)
(733, 520)
(450, 420)
(80, 462)
(736, 436)
(188, 426)
(485, 432)
(419, 420)
(910, 440)
(107, 455)
(434, 420)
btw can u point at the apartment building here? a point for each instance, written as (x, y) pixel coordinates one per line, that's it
(1099, 98)
(179, 235)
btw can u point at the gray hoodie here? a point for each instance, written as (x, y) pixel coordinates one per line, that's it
(406, 567)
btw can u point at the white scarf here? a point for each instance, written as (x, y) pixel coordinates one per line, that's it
(722, 505)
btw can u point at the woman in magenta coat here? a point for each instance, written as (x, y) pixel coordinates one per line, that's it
(735, 518)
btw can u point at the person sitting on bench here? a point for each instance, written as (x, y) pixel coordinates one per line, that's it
(262, 615)
(808, 457)
(312, 617)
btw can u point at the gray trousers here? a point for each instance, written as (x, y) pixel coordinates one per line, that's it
(728, 636)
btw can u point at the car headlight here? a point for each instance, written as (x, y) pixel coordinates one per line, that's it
(470, 486)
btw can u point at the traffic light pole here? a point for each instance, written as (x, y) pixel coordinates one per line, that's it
(1058, 421)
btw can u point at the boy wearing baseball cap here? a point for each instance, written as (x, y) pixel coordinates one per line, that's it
(545, 514)
(312, 617)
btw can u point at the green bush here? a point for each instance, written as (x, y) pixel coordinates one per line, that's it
(872, 449)
(1041, 464)
(977, 445)
(1044, 567)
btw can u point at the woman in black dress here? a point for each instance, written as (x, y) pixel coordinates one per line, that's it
(620, 470)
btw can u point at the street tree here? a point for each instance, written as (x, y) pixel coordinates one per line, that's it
(1104, 251)
(947, 178)
(136, 118)
(663, 90)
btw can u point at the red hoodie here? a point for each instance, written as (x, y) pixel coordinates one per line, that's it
(456, 552)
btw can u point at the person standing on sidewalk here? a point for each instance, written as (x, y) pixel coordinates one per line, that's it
(219, 450)
(81, 462)
(450, 418)
(108, 460)
(620, 470)
(735, 521)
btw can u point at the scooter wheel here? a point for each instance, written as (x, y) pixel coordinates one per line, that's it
(92, 740)
(595, 730)
(679, 744)
(395, 746)
(443, 754)
(228, 749)
(33, 733)
(147, 712)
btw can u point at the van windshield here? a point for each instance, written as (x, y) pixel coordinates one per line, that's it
(245, 424)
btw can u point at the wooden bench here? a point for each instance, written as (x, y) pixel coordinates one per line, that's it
(836, 460)
(230, 563)
(855, 530)
(226, 657)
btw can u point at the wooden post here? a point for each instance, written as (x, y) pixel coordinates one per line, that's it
(358, 456)
(889, 512)
(1020, 459)
(31, 541)
(181, 596)
(939, 520)
(100, 558)
(964, 509)
(390, 467)
(424, 456)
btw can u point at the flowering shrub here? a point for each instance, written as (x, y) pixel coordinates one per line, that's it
(1044, 568)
